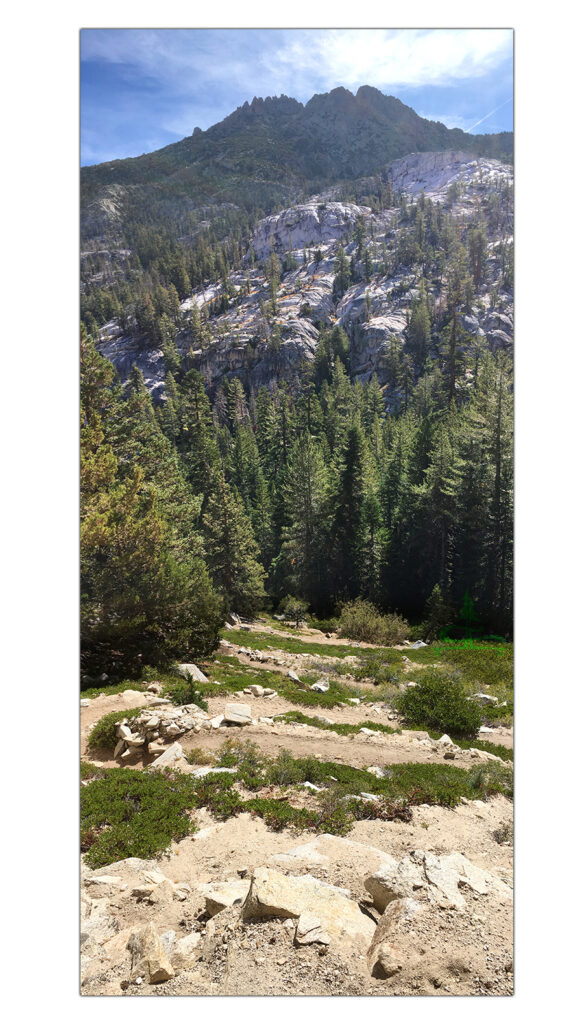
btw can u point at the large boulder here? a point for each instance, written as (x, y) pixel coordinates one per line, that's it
(237, 714)
(272, 894)
(439, 879)
(149, 958)
(187, 668)
(219, 895)
(385, 956)
(170, 757)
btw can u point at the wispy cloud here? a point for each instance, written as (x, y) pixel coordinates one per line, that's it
(176, 78)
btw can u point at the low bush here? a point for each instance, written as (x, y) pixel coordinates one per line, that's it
(91, 771)
(439, 701)
(103, 733)
(360, 620)
(199, 756)
(294, 608)
(186, 691)
(134, 814)
(325, 625)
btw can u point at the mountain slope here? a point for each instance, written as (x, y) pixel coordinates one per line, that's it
(263, 155)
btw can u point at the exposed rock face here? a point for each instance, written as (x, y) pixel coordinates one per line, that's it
(263, 350)
(434, 172)
(306, 225)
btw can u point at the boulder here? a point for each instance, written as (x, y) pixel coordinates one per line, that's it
(309, 930)
(257, 691)
(186, 668)
(237, 714)
(219, 895)
(149, 958)
(272, 894)
(322, 686)
(185, 952)
(384, 956)
(170, 756)
(395, 880)
(440, 879)
(292, 675)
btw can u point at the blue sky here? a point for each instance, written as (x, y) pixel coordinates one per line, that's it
(145, 88)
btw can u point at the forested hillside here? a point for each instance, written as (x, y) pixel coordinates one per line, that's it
(318, 404)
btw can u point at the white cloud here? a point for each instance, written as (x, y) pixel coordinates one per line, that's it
(264, 61)
(382, 57)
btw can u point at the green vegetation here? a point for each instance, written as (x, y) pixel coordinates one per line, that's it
(103, 733)
(439, 701)
(361, 620)
(131, 813)
(294, 645)
(186, 691)
(342, 729)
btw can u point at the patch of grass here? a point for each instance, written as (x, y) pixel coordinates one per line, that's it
(134, 814)
(492, 778)
(103, 733)
(487, 664)
(263, 641)
(439, 701)
(342, 729)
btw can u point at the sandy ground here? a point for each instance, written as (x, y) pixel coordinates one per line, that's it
(444, 952)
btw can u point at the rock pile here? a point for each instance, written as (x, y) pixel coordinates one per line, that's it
(311, 912)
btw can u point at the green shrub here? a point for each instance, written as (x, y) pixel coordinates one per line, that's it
(199, 756)
(186, 691)
(134, 814)
(91, 771)
(360, 620)
(438, 701)
(294, 608)
(325, 625)
(103, 733)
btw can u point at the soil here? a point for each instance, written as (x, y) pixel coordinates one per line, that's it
(444, 952)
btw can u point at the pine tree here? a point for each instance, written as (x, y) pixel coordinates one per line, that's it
(232, 553)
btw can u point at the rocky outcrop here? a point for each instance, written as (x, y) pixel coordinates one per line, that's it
(273, 894)
(306, 226)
